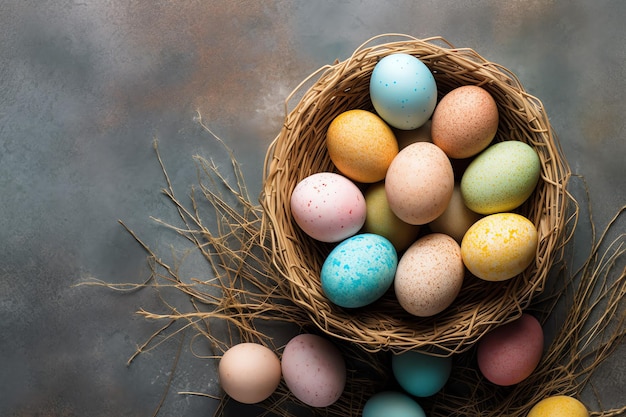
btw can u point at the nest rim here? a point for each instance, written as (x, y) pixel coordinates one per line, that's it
(299, 151)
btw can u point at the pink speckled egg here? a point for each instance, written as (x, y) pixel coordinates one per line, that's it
(314, 370)
(419, 183)
(465, 121)
(429, 275)
(510, 353)
(328, 207)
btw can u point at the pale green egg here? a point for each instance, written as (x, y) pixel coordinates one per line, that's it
(501, 178)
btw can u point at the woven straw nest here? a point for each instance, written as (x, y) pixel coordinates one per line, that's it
(299, 151)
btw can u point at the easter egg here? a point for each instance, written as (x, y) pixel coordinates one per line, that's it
(359, 270)
(501, 177)
(392, 404)
(314, 370)
(249, 372)
(403, 91)
(328, 207)
(420, 374)
(381, 220)
(429, 275)
(508, 354)
(559, 406)
(419, 183)
(361, 145)
(465, 121)
(499, 246)
(456, 218)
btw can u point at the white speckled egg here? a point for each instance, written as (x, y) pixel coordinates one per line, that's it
(359, 270)
(499, 246)
(501, 177)
(419, 183)
(328, 207)
(314, 370)
(403, 91)
(429, 275)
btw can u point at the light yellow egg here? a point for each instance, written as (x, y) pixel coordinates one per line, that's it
(499, 246)
(382, 221)
(456, 219)
(361, 145)
(559, 406)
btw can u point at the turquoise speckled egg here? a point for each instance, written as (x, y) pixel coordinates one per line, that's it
(359, 270)
(501, 178)
(420, 374)
(403, 91)
(392, 404)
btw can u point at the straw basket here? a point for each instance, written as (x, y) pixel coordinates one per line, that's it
(299, 150)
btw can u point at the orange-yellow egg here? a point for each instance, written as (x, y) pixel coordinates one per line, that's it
(361, 145)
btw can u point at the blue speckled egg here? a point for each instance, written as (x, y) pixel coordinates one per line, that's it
(392, 404)
(359, 270)
(420, 374)
(403, 91)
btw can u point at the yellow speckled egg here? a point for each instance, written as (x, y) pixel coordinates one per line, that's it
(499, 246)
(559, 406)
(382, 221)
(361, 145)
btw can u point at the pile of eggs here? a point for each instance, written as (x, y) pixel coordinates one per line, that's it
(421, 194)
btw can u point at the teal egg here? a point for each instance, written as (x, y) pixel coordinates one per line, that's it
(359, 270)
(420, 374)
(501, 178)
(392, 404)
(403, 91)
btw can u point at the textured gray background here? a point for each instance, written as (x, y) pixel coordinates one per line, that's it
(86, 87)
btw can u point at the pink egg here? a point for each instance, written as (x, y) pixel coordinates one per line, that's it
(314, 370)
(328, 207)
(510, 353)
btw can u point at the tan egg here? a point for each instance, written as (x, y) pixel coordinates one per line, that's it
(249, 372)
(419, 183)
(429, 275)
(361, 145)
(407, 137)
(465, 121)
(382, 221)
(456, 219)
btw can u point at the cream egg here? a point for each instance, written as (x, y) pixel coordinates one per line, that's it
(249, 372)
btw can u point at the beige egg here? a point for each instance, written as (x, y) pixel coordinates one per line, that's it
(382, 221)
(419, 183)
(465, 121)
(429, 275)
(407, 137)
(249, 372)
(456, 219)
